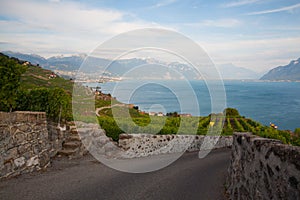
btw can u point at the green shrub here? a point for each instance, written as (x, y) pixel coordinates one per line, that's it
(55, 102)
(232, 112)
(110, 126)
(10, 76)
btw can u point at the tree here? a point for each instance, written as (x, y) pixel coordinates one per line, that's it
(10, 75)
(172, 114)
(232, 112)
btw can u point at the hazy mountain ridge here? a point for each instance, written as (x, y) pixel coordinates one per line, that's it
(33, 58)
(150, 68)
(230, 71)
(287, 72)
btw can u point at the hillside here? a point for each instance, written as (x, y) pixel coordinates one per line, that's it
(35, 77)
(287, 72)
(32, 58)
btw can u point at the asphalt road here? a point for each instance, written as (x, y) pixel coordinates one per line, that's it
(187, 178)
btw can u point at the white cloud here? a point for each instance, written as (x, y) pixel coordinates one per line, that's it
(163, 3)
(240, 3)
(59, 16)
(258, 55)
(224, 23)
(60, 25)
(286, 8)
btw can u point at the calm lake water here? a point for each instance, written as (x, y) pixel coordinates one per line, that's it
(276, 102)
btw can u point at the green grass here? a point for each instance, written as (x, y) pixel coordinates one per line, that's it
(36, 77)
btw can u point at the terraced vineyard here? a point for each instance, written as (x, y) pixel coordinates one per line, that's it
(232, 122)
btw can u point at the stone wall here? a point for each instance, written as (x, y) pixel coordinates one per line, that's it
(95, 141)
(263, 169)
(141, 145)
(24, 145)
(28, 142)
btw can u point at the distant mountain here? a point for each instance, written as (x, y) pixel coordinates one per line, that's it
(230, 71)
(148, 68)
(287, 72)
(68, 63)
(32, 58)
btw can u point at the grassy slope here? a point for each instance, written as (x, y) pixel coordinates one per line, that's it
(35, 77)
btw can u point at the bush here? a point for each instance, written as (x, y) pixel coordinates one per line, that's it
(297, 131)
(232, 112)
(110, 126)
(10, 75)
(55, 102)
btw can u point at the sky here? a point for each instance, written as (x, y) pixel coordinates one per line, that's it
(254, 34)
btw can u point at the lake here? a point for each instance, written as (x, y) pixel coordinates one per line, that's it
(276, 102)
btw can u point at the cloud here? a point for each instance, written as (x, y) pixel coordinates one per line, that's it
(163, 3)
(240, 3)
(256, 54)
(61, 16)
(62, 25)
(282, 9)
(223, 23)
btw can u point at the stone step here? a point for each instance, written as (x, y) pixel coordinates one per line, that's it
(72, 127)
(71, 144)
(74, 131)
(74, 137)
(66, 152)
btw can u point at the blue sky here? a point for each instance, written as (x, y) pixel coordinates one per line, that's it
(255, 34)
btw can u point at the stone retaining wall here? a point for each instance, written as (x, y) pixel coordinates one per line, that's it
(28, 142)
(24, 145)
(142, 145)
(263, 169)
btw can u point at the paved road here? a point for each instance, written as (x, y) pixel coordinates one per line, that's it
(85, 178)
(105, 107)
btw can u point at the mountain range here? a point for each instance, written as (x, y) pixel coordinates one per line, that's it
(230, 71)
(151, 68)
(288, 72)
